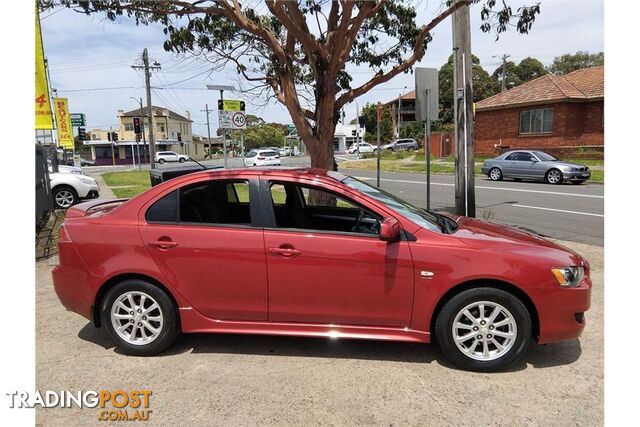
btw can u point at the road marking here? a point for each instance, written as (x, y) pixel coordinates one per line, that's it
(558, 193)
(557, 210)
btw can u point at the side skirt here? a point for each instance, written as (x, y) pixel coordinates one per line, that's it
(194, 322)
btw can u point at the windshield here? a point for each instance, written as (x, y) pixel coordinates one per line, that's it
(545, 157)
(419, 216)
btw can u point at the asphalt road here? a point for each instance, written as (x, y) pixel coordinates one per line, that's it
(568, 212)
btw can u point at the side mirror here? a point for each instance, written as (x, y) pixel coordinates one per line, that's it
(390, 230)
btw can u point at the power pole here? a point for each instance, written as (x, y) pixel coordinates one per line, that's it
(206, 110)
(463, 113)
(504, 70)
(147, 80)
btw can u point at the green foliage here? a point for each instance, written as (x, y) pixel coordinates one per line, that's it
(511, 74)
(370, 111)
(483, 86)
(413, 130)
(571, 62)
(530, 68)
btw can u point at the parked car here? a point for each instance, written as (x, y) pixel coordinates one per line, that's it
(365, 147)
(68, 188)
(83, 162)
(262, 157)
(170, 156)
(309, 252)
(534, 165)
(400, 145)
(284, 151)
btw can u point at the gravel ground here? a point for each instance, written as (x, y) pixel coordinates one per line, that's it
(248, 380)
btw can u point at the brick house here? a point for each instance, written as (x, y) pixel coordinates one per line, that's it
(407, 103)
(558, 114)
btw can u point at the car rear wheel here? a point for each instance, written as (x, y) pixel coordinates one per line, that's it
(484, 329)
(160, 161)
(64, 197)
(495, 174)
(554, 176)
(182, 160)
(140, 317)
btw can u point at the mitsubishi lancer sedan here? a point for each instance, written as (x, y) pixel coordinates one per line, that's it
(307, 252)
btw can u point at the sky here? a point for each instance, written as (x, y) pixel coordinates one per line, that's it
(86, 53)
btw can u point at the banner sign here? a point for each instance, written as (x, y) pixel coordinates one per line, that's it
(230, 105)
(44, 119)
(65, 131)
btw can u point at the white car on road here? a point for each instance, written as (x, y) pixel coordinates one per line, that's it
(365, 147)
(170, 156)
(67, 189)
(262, 157)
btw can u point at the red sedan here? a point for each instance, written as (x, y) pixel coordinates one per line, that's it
(308, 252)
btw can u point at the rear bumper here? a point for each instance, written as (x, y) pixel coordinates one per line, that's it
(562, 317)
(71, 281)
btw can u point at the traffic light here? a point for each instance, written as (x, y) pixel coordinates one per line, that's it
(179, 137)
(82, 134)
(136, 125)
(353, 132)
(362, 121)
(114, 136)
(138, 137)
(109, 136)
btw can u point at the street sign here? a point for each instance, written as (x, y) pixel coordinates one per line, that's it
(231, 114)
(427, 79)
(77, 119)
(230, 105)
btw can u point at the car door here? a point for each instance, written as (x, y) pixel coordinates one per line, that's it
(524, 165)
(508, 165)
(202, 238)
(326, 263)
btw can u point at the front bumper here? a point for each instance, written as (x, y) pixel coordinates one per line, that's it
(562, 315)
(576, 176)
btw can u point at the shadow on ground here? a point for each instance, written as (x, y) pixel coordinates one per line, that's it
(538, 356)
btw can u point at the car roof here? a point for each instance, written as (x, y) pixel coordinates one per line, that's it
(281, 171)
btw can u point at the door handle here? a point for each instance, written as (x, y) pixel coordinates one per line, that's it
(163, 244)
(285, 252)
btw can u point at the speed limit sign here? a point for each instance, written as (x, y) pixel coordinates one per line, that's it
(239, 120)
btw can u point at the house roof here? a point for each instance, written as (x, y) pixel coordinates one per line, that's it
(411, 95)
(157, 112)
(580, 85)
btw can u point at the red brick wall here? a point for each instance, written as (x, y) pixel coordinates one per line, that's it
(574, 125)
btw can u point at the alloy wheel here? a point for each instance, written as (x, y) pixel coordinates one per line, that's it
(495, 174)
(64, 198)
(554, 176)
(484, 330)
(136, 318)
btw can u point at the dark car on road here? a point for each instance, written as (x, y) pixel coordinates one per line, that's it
(534, 165)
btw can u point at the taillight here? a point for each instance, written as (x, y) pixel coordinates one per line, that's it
(63, 235)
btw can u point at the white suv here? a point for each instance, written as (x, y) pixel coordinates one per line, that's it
(170, 156)
(67, 189)
(262, 157)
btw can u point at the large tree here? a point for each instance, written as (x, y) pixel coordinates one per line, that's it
(511, 75)
(298, 50)
(370, 111)
(530, 68)
(571, 62)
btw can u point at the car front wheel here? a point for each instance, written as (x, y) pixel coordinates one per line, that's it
(554, 176)
(182, 160)
(140, 317)
(484, 329)
(495, 174)
(64, 197)
(161, 161)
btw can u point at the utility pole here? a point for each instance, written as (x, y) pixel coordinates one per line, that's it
(398, 124)
(504, 58)
(147, 80)
(463, 113)
(206, 110)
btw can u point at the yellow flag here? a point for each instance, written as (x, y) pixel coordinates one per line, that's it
(44, 118)
(63, 121)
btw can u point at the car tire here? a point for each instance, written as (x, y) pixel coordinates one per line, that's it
(471, 354)
(495, 174)
(64, 196)
(553, 176)
(182, 160)
(165, 318)
(160, 161)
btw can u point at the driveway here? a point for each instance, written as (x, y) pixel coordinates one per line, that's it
(248, 380)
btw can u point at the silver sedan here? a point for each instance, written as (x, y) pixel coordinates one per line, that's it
(534, 165)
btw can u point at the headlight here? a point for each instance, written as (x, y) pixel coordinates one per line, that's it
(87, 180)
(568, 276)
